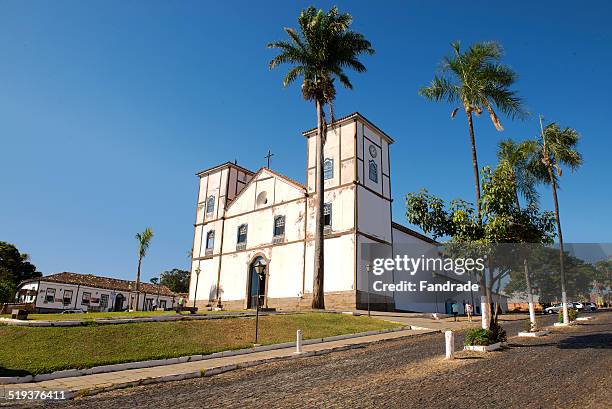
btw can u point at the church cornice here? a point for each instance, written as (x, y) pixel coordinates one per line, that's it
(348, 118)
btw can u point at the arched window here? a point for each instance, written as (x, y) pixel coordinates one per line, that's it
(279, 226)
(373, 171)
(328, 168)
(210, 240)
(242, 233)
(210, 204)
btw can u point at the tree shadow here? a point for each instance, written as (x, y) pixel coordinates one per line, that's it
(597, 340)
(13, 372)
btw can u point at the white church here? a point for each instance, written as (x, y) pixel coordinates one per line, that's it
(244, 217)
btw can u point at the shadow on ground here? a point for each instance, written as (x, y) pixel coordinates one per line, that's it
(597, 340)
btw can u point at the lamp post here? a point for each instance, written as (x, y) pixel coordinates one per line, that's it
(195, 291)
(368, 271)
(260, 269)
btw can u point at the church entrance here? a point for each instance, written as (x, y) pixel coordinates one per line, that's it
(256, 283)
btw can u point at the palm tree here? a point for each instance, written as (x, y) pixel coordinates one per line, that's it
(319, 54)
(144, 240)
(476, 80)
(557, 147)
(518, 156)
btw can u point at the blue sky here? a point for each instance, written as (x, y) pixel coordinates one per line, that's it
(108, 108)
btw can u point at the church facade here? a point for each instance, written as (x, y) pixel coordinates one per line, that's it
(245, 217)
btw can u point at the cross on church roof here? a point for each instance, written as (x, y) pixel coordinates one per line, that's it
(268, 156)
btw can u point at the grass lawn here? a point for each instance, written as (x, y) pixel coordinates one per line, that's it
(93, 315)
(32, 350)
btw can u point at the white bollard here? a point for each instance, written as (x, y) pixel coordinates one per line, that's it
(484, 310)
(450, 344)
(298, 342)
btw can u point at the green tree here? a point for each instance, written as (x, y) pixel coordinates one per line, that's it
(319, 53)
(557, 148)
(7, 291)
(15, 267)
(517, 157)
(500, 222)
(144, 241)
(476, 80)
(176, 280)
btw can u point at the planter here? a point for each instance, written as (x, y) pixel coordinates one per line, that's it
(562, 324)
(483, 348)
(540, 333)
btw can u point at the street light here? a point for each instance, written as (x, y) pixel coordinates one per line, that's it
(195, 291)
(260, 269)
(368, 271)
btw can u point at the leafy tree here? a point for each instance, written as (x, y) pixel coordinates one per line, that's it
(144, 240)
(476, 80)
(501, 221)
(557, 147)
(319, 53)
(154, 280)
(15, 266)
(176, 280)
(7, 291)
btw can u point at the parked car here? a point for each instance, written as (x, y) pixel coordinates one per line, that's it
(578, 305)
(590, 306)
(556, 308)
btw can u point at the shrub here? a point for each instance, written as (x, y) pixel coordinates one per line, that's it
(572, 312)
(479, 336)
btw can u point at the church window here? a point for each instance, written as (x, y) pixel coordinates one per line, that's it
(210, 240)
(327, 215)
(210, 204)
(328, 168)
(373, 171)
(242, 233)
(279, 226)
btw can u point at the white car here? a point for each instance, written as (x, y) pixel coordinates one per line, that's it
(590, 306)
(556, 308)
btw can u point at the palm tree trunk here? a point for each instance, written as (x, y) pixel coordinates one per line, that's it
(318, 298)
(553, 185)
(138, 283)
(474, 161)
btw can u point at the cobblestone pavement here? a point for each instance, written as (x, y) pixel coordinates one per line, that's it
(569, 368)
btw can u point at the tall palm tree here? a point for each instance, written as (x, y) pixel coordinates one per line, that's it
(319, 53)
(557, 147)
(518, 157)
(144, 240)
(476, 80)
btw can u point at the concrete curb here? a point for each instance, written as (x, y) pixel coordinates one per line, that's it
(69, 373)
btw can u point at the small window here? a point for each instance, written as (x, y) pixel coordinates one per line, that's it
(86, 298)
(104, 301)
(50, 295)
(373, 171)
(210, 205)
(328, 168)
(327, 215)
(279, 226)
(67, 297)
(210, 240)
(242, 233)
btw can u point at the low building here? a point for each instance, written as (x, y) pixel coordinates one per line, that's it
(88, 292)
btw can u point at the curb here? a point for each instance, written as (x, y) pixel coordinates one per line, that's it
(69, 373)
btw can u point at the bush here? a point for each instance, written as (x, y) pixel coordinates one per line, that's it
(483, 337)
(479, 336)
(572, 312)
